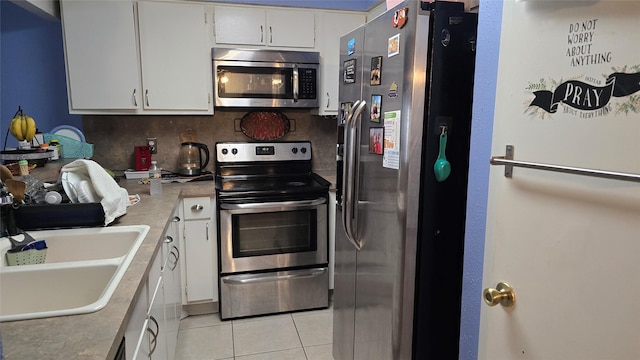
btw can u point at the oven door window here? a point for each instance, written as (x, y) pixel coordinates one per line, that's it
(255, 82)
(272, 233)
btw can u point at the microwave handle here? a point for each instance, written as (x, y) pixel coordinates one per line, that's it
(295, 83)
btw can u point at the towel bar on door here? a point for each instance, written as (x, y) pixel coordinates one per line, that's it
(509, 164)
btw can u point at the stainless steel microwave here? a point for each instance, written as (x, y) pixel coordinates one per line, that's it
(265, 78)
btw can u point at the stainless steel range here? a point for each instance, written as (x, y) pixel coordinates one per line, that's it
(272, 216)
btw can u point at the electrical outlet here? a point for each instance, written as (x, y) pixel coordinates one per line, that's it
(153, 144)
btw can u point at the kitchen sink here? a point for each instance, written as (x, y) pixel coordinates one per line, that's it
(82, 269)
(68, 245)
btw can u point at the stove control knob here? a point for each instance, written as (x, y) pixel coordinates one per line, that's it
(304, 150)
(234, 151)
(225, 151)
(294, 150)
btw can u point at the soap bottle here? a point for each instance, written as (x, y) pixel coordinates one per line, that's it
(155, 179)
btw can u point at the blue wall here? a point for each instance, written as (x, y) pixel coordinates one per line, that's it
(32, 71)
(490, 19)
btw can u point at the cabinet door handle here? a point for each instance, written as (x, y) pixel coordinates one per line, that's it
(207, 232)
(197, 207)
(328, 99)
(176, 257)
(146, 96)
(168, 239)
(270, 35)
(135, 102)
(154, 342)
(176, 219)
(261, 34)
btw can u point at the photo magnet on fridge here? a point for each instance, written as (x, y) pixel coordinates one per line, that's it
(375, 140)
(394, 46)
(376, 108)
(376, 70)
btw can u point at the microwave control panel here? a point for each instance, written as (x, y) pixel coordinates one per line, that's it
(308, 83)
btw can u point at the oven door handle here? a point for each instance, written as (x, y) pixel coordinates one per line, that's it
(288, 204)
(261, 278)
(351, 173)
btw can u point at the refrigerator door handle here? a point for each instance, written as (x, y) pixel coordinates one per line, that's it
(352, 142)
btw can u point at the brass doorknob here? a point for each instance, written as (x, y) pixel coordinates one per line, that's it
(503, 294)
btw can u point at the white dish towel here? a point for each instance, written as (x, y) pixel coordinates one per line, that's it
(113, 198)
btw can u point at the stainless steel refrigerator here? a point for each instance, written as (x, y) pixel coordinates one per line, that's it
(403, 151)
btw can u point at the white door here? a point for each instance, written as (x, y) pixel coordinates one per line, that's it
(569, 245)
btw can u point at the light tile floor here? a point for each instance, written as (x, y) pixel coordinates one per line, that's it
(298, 336)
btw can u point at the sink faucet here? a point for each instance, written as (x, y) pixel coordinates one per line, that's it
(5, 196)
(7, 219)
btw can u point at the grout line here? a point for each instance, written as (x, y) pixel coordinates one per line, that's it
(298, 333)
(233, 341)
(306, 356)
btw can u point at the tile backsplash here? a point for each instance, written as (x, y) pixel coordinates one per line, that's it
(114, 137)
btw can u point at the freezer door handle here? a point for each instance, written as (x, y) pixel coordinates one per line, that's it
(260, 278)
(351, 171)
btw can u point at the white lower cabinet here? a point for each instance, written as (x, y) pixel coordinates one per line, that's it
(156, 333)
(200, 269)
(152, 331)
(172, 279)
(138, 323)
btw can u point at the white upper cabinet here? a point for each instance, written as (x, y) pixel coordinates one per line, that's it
(101, 58)
(239, 26)
(264, 27)
(145, 57)
(174, 55)
(291, 28)
(333, 25)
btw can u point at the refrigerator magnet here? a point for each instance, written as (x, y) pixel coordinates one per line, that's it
(351, 46)
(391, 142)
(376, 108)
(349, 71)
(394, 46)
(376, 70)
(375, 140)
(393, 90)
(400, 18)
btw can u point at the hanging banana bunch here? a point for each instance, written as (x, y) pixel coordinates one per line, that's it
(22, 126)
